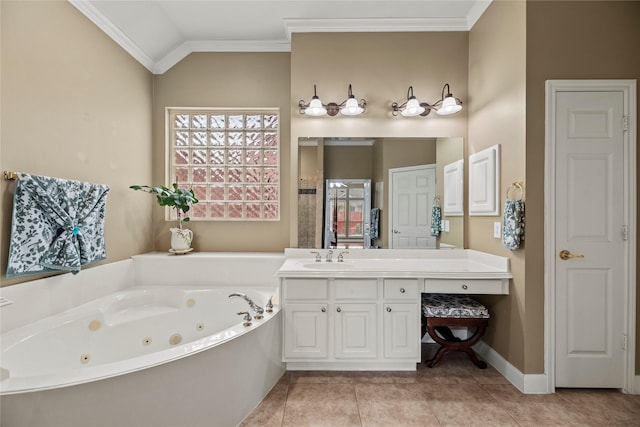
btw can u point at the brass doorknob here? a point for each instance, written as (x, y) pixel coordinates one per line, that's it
(565, 255)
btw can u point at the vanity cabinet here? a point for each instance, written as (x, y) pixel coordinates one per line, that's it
(343, 323)
(401, 318)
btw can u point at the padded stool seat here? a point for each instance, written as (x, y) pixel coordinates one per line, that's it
(442, 311)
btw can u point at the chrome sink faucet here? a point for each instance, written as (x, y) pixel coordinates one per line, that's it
(318, 256)
(329, 255)
(341, 256)
(259, 311)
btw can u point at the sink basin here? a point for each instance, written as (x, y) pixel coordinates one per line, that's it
(329, 266)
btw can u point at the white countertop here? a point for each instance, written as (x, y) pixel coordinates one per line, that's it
(419, 263)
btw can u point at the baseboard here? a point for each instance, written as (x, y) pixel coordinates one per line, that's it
(526, 383)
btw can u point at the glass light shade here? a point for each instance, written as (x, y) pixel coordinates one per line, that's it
(351, 108)
(413, 108)
(315, 108)
(449, 106)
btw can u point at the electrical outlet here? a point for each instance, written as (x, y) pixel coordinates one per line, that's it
(496, 230)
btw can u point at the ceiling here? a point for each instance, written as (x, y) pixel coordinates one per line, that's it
(161, 33)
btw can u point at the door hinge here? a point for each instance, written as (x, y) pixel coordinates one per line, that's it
(625, 233)
(625, 123)
(624, 342)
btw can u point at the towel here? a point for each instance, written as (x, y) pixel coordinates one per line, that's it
(57, 224)
(513, 224)
(375, 224)
(436, 220)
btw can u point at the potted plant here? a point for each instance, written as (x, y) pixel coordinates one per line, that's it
(181, 200)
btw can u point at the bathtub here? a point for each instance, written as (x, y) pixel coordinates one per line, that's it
(150, 354)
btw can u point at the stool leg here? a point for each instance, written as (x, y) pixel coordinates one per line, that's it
(456, 345)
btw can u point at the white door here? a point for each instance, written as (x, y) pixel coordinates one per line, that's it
(411, 196)
(589, 240)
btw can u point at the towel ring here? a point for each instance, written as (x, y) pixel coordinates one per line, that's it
(517, 185)
(436, 201)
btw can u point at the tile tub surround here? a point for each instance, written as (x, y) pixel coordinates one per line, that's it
(453, 394)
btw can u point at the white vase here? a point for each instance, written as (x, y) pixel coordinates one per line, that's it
(181, 239)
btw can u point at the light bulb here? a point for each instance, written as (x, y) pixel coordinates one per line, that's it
(351, 108)
(449, 106)
(315, 108)
(413, 108)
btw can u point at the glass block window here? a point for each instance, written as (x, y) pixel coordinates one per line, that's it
(231, 159)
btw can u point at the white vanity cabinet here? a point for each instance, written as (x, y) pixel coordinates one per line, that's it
(351, 323)
(306, 319)
(401, 319)
(364, 313)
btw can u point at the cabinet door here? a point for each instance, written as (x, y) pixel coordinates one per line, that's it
(355, 336)
(305, 331)
(401, 331)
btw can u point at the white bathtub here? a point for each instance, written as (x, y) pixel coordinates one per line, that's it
(153, 354)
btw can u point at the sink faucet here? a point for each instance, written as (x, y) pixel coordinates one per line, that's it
(318, 256)
(329, 255)
(341, 257)
(255, 307)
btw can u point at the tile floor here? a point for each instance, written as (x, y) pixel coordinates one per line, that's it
(455, 393)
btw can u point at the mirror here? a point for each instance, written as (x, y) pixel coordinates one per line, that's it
(321, 159)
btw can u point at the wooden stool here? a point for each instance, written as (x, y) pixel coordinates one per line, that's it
(442, 311)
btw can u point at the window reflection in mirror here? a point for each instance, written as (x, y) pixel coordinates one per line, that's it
(323, 159)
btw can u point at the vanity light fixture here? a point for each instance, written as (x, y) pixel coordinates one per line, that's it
(446, 105)
(349, 107)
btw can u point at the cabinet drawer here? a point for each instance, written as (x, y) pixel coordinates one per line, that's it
(306, 289)
(356, 289)
(470, 286)
(401, 289)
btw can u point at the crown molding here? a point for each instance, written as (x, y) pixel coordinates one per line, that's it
(179, 53)
(375, 25)
(95, 16)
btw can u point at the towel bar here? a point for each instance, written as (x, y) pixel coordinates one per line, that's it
(10, 176)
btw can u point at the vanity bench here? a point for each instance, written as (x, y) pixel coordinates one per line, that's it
(365, 313)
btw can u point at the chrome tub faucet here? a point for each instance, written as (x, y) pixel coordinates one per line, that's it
(259, 311)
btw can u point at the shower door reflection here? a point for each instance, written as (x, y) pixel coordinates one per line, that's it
(347, 213)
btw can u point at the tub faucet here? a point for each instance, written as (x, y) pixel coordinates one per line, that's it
(259, 311)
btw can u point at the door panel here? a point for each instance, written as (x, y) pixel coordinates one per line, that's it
(589, 219)
(411, 196)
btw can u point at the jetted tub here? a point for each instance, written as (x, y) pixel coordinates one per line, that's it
(156, 355)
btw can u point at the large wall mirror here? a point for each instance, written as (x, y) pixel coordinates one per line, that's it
(326, 163)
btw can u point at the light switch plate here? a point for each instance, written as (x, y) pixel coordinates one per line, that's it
(496, 230)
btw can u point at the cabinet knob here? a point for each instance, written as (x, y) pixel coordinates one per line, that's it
(402, 291)
(323, 309)
(388, 309)
(338, 309)
(465, 287)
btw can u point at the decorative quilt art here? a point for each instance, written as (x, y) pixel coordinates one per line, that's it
(57, 225)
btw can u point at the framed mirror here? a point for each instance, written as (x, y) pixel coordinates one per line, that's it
(369, 158)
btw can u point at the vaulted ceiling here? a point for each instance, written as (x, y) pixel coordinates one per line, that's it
(160, 33)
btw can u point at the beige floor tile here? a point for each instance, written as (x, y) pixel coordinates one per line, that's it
(455, 393)
(321, 405)
(397, 413)
(545, 414)
(270, 411)
(471, 413)
(603, 406)
(322, 377)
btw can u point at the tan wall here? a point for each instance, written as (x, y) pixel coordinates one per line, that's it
(380, 67)
(497, 116)
(227, 80)
(595, 40)
(76, 106)
(348, 162)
